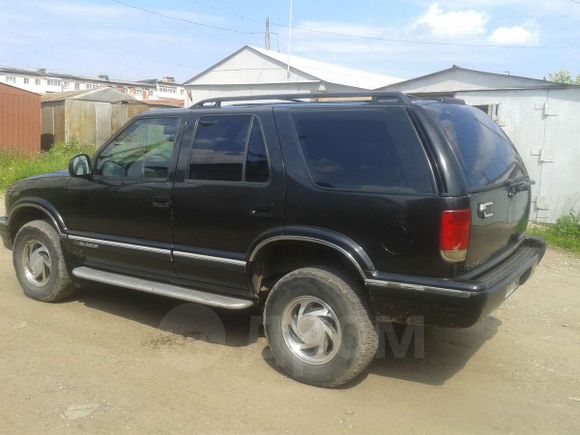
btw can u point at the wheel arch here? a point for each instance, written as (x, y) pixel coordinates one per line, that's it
(302, 248)
(23, 212)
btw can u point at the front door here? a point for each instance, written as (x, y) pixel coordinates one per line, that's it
(228, 193)
(120, 218)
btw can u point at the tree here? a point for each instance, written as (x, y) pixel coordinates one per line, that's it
(577, 80)
(563, 76)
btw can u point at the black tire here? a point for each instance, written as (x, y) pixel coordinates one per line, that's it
(349, 303)
(59, 284)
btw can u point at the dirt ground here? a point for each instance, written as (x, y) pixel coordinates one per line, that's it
(112, 361)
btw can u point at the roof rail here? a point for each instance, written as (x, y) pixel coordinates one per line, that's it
(373, 98)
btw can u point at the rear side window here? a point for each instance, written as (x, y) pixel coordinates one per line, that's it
(484, 151)
(229, 148)
(363, 150)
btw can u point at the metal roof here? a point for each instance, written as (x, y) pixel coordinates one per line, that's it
(321, 71)
(508, 81)
(104, 94)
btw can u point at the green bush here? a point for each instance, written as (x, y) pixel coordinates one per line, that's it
(15, 166)
(565, 233)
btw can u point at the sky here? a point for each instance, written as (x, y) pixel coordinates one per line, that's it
(142, 39)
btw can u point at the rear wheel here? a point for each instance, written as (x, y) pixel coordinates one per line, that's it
(319, 327)
(39, 263)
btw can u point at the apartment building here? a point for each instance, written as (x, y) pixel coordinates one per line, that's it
(43, 82)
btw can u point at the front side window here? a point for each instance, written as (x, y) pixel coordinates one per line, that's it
(363, 150)
(229, 148)
(143, 150)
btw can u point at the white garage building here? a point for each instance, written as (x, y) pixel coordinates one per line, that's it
(257, 71)
(542, 118)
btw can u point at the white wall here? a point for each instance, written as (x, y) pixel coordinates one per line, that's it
(201, 92)
(544, 126)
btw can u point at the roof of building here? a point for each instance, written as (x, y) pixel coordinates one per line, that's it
(104, 94)
(42, 73)
(322, 71)
(455, 72)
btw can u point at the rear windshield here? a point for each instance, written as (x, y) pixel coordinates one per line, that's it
(484, 151)
(363, 150)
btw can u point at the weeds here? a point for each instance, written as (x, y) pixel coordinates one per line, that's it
(15, 166)
(565, 233)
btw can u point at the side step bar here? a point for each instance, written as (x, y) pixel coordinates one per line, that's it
(157, 288)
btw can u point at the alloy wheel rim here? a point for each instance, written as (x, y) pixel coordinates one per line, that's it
(37, 264)
(311, 330)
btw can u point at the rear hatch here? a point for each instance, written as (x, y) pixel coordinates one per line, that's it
(495, 176)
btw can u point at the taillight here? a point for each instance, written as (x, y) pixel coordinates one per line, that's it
(454, 234)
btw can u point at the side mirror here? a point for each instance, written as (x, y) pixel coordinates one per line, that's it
(80, 166)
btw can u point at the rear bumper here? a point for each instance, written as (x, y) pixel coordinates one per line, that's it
(4, 233)
(460, 302)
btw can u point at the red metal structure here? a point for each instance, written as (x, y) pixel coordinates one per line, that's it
(19, 120)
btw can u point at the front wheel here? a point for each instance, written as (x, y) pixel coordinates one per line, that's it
(39, 263)
(319, 327)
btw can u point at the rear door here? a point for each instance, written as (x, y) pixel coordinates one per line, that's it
(495, 176)
(229, 191)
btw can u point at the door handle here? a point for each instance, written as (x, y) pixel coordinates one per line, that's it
(161, 201)
(263, 209)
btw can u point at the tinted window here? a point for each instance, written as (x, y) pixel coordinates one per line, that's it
(143, 150)
(257, 160)
(485, 153)
(364, 150)
(223, 144)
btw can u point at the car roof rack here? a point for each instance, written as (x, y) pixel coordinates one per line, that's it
(346, 97)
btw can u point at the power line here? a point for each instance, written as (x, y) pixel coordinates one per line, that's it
(185, 20)
(339, 34)
(421, 41)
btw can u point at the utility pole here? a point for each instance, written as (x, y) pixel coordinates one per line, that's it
(289, 39)
(267, 34)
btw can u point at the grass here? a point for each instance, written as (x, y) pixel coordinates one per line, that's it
(565, 233)
(15, 166)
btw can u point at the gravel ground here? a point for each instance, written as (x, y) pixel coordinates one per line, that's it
(112, 361)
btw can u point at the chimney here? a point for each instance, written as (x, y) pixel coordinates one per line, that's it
(41, 70)
(168, 79)
(104, 77)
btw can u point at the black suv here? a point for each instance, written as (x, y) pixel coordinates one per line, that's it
(334, 213)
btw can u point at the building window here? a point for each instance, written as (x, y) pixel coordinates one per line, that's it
(182, 91)
(37, 82)
(77, 86)
(10, 79)
(26, 80)
(65, 84)
(167, 89)
(139, 91)
(52, 82)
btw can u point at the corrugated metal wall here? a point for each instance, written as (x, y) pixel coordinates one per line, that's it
(19, 120)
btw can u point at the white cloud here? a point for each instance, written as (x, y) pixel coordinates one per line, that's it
(453, 23)
(516, 35)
